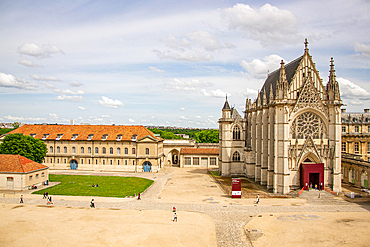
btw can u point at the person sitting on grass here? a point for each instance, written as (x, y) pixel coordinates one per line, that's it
(93, 185)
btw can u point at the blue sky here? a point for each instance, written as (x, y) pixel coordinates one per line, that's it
(168, 62)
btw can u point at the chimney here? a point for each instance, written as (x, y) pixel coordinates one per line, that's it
(343, 110)
(72, 122)
(366, 110)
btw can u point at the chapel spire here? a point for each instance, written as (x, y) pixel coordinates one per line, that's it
(282, 83)
(305, 45)
(332, 87)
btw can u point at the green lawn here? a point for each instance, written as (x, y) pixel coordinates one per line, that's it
(109, 186)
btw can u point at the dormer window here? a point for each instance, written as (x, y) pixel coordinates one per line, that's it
(74, 137)
(119, 137)
(44, 136)
(59, 136)
(33, 135)
(89, 137)
(134, 138)
(105, 136)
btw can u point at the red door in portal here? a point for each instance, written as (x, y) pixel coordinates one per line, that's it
(312, 174)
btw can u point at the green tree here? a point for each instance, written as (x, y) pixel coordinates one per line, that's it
(27, 146)
(206, 136)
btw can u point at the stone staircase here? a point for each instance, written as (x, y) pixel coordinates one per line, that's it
(322, 197)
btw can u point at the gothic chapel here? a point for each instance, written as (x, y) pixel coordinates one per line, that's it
(290, 136)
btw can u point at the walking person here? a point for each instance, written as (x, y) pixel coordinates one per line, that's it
(258, 198)
(139, 196)
(21, 199)
(44, 195)
(175, 217)
(92, 203)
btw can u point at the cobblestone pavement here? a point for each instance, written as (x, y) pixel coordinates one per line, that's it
(230, 220)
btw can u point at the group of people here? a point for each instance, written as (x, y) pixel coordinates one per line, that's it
(49, 199)
(317, 187)
(97, 185)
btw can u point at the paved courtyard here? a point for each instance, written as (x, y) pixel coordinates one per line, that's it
(207, 217)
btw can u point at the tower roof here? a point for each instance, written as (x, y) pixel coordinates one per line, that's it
(226, 105)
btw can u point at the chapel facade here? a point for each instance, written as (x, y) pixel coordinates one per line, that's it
(290, 136)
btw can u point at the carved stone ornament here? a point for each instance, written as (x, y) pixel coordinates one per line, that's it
(309, 147)
(308, 124)
(309, 97)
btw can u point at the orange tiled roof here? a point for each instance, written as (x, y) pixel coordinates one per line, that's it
(199, 151)
(84, 131)
(18, 164)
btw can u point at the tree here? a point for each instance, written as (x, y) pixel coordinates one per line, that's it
(206, 136)
(27, 146)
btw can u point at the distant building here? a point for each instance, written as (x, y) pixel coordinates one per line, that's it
(356, 133)
(19, 173)
(99, 147)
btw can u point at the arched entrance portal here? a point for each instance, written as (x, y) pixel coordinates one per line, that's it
(173, 158)
(73, 164)
(147, 166)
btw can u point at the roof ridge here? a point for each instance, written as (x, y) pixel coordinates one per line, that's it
(286, 65)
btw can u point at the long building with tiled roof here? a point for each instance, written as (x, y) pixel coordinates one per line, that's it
(18, 172)
(98, 147)
(199, 157)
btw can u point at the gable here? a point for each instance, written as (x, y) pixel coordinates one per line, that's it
(147, 139)
(309, 97)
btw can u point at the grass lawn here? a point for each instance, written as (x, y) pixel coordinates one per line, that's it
(109, 186)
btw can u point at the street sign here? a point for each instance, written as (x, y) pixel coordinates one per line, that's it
(236, 188)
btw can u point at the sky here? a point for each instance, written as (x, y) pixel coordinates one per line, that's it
(168, 63)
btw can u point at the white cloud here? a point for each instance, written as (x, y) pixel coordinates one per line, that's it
(354, 102)
(259, 69)
(29, 64)
(156, 70)
(191, 56)
(211, 116)
(75, 84)
(216, 93)
(46, 50)
(67, 91)
(110, 102)
(182, 109)
(251, 93)
(131, 120)
(48, 85)
(211, 121)
(82, 108)
(197, 117)
(74, 98)
(350, 90)
(47, 78)
(362, 49)
(184, 118)
(269, 25)
(206, 40)
(104, 115)
(189, 85)
(11, 118)
(8, 80)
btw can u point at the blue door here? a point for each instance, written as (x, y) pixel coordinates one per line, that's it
(147, 166)
(73, 165)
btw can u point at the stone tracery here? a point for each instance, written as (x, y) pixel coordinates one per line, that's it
(308, 124)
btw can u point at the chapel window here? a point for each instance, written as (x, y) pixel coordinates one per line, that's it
(126, 150)
(104, 151)
(118, 150)
(357, 147)
(147, 151)
(236, 156)
(357, 128)
(236, 133)
(82, 150)
(111, 150)
(308, 124)
(51, 149)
